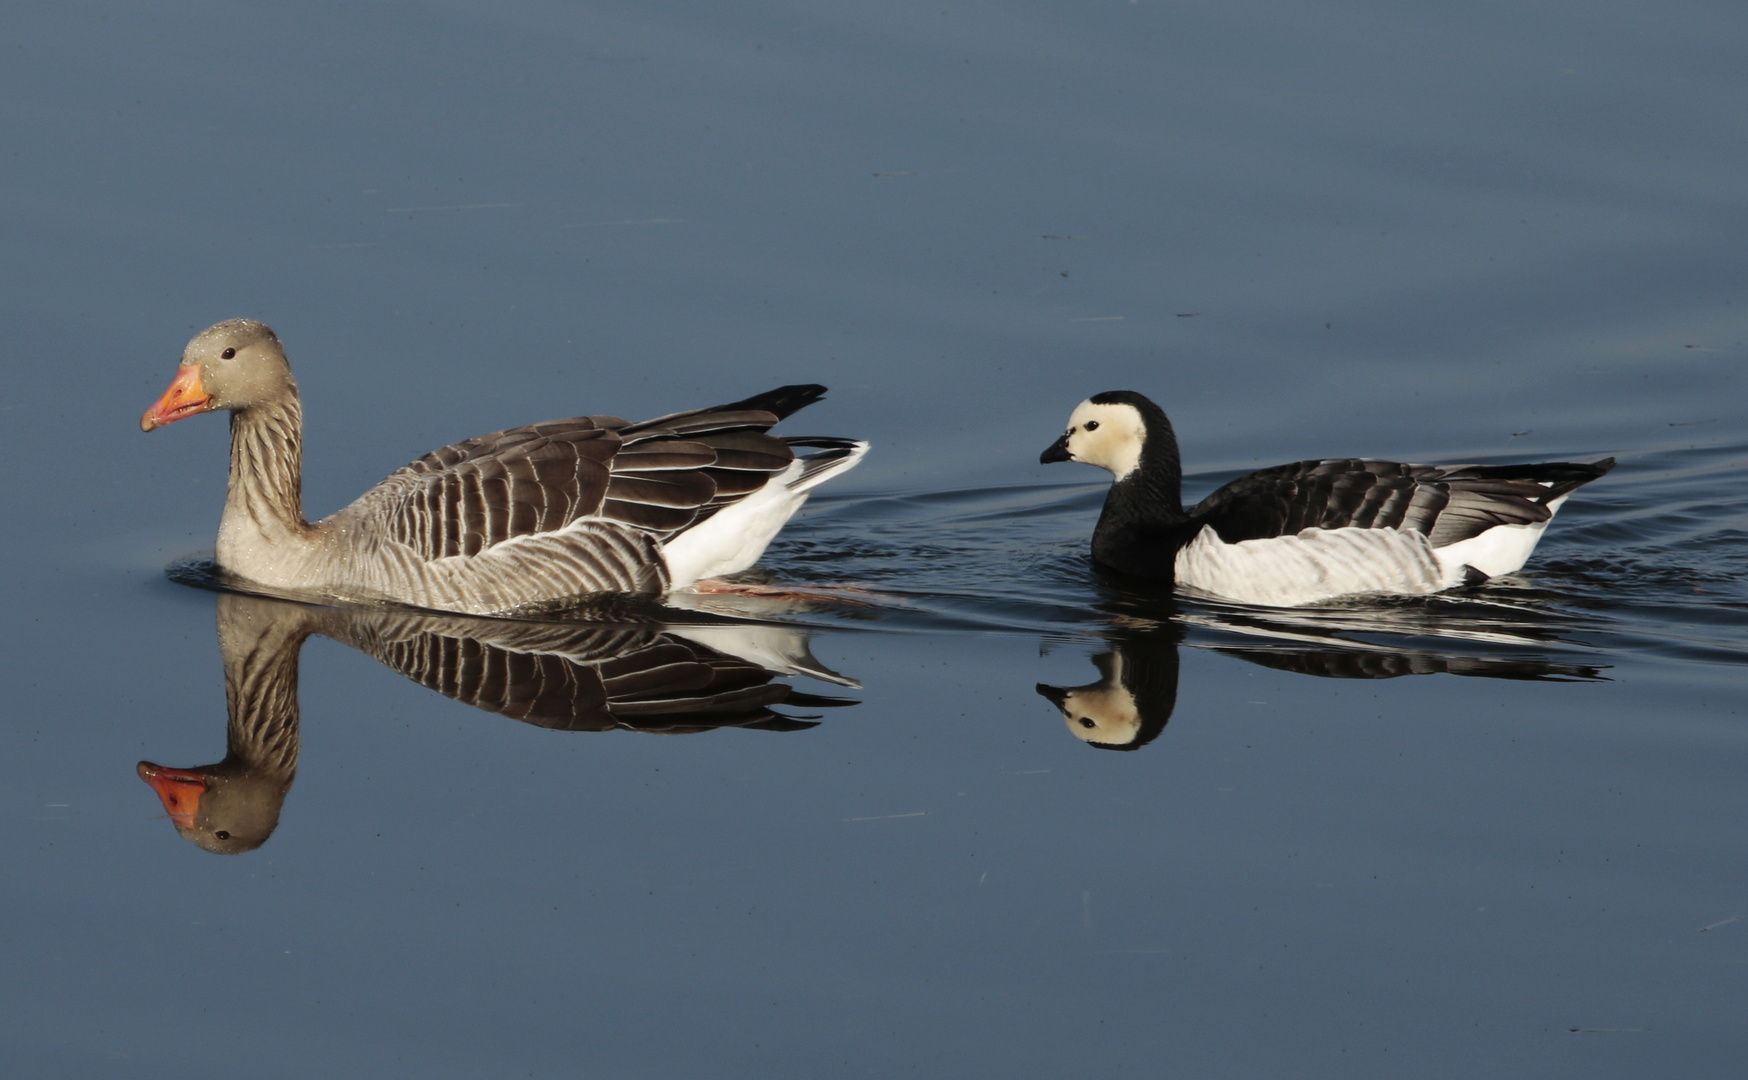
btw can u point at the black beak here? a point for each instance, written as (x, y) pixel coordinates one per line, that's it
(1056, 695)
(1058, 451)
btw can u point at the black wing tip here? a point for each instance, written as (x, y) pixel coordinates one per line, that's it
(823, 442)
(782, 401)
(1574, 473)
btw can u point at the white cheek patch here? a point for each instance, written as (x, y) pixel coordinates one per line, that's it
(1114, 444)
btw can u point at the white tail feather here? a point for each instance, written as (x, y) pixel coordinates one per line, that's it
(734, 537)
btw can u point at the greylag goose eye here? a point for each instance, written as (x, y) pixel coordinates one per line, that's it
(540, 516)
(1311, 530)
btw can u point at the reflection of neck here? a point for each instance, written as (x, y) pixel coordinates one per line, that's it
(266, 488)
(261, 692)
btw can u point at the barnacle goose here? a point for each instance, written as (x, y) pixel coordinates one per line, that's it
(1311, 530)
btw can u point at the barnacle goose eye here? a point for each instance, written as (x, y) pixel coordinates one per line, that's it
(223, 834)
(228, 353)
(1087, 722)
(1092, 425)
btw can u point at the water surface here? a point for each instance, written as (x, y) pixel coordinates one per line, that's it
(1496, 831)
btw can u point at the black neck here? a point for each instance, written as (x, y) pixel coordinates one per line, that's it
(1143, 523)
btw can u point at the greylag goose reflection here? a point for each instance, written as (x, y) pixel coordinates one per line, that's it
(1312, 530)
(566, 676)
(531, 517)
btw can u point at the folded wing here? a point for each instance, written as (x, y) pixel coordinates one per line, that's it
(1446, 503)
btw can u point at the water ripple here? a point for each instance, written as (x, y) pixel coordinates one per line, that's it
(1653, 561)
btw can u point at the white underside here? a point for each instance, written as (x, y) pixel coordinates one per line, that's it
(1321, 564)
(734, 538)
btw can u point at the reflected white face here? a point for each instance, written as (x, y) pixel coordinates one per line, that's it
(1102, 714)
(1109, 436)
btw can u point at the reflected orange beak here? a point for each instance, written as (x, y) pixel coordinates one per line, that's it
(184, 398)
(179, 789)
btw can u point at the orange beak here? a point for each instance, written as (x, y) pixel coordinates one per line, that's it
(184, 398)
(179, 789)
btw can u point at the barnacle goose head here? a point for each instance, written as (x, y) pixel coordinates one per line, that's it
(231, 365)
(1109, 430)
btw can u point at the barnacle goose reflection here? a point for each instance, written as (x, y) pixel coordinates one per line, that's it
(1131, 702)
(566, 676)
(1310, 530)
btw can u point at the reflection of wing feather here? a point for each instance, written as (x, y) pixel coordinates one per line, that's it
(573, 677)
(1357, 663)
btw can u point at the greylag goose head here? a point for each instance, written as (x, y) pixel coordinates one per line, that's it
(234, 365)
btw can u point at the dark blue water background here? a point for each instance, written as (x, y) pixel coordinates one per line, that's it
(1451, 232)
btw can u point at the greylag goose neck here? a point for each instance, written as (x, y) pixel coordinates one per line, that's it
(1312, 530)
(538, 516)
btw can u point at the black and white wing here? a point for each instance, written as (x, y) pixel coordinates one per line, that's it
(1445, 503)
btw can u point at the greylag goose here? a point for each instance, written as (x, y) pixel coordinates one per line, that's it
(1312, 530)
(542, 515)
(563, 676)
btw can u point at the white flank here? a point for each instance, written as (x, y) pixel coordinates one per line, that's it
(1317, 564)
(735, 537)
(1320, 564)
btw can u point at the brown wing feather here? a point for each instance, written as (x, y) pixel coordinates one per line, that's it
(661, 476)
(463, 499)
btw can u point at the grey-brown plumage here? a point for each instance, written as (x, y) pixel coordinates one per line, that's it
(544, 514)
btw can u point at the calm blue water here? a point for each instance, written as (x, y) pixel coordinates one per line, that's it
(1489, 834)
